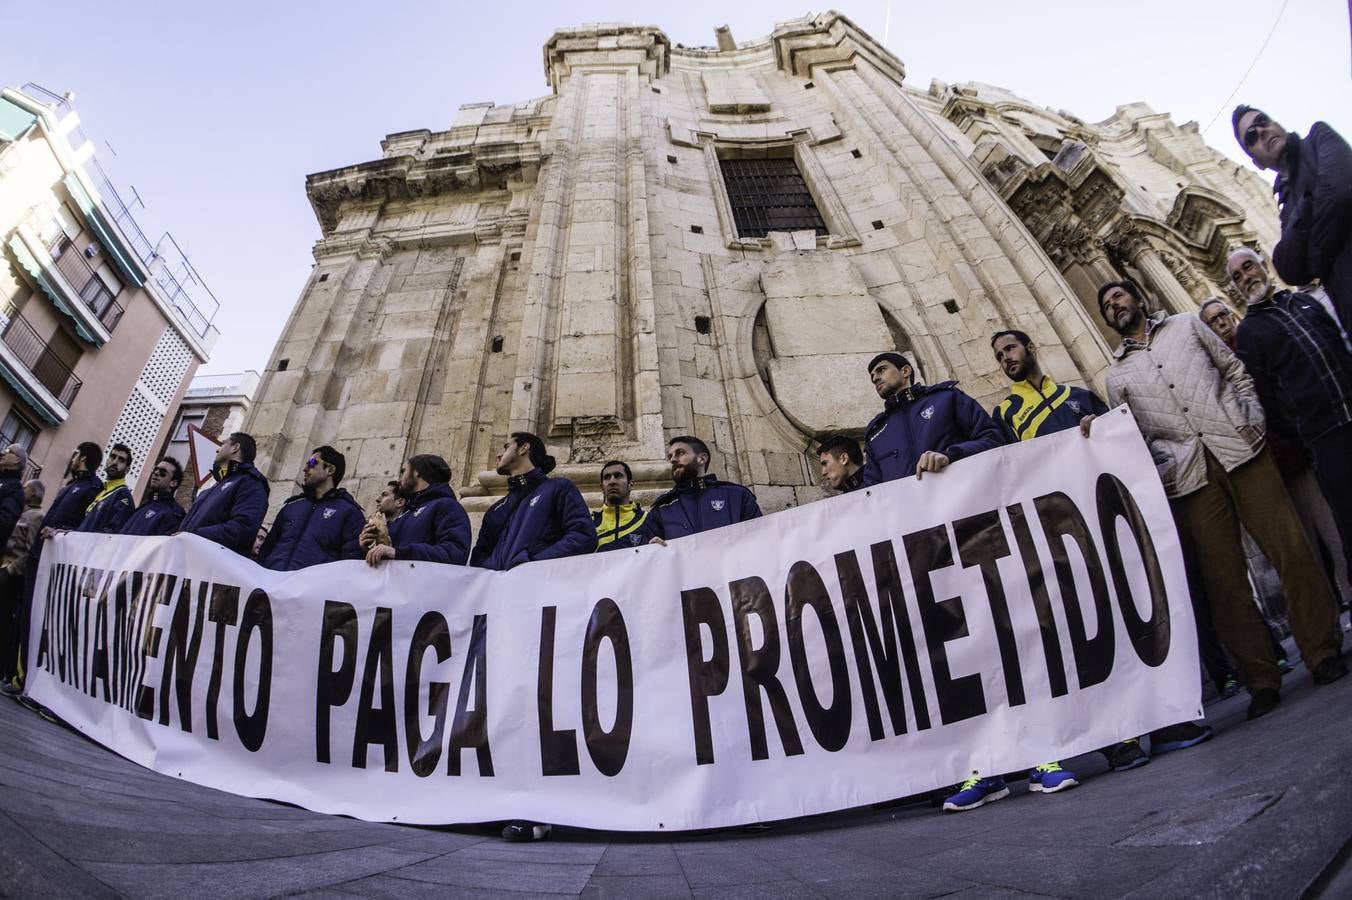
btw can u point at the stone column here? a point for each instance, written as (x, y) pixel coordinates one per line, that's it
(588, 367)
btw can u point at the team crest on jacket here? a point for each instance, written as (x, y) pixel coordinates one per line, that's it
(717, 504)
(534, 500)
(328, 513)
(150, 514)
(634, 539)
(1074, 406)
(418, 512)
(927, 412)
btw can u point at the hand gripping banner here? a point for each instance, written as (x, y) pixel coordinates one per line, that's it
(1025, 605)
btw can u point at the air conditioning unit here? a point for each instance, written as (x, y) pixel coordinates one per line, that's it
(93, 250)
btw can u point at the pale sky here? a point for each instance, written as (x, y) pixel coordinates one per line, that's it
(218, 112)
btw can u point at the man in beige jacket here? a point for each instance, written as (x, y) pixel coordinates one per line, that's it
(1200, 415)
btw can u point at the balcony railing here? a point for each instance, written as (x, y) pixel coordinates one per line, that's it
(184, 287)
(120, 212)
(35, 353)
(71, 264)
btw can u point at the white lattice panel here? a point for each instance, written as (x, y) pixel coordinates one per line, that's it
(140, 421)
(166, 367)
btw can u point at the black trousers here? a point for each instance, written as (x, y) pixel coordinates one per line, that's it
(1332, 455)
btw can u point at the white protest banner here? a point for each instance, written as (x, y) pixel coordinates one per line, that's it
(1024, 605)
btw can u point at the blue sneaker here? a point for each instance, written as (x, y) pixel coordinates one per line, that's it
(1049, 778)
(1178, 737)
(976, 791)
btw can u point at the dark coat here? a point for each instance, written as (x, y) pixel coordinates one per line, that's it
(157, 514)
(935, 417)
(540, 518)
(68, 509)
(701, 504)
(308, 532)
(434, 528)
(1316, 200)
(1296, 357)
(12, 504)
(232, 512)
(108, 515)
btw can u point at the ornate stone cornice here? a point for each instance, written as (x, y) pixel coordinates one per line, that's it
(606, 46)
(830, 40)
(476, 167)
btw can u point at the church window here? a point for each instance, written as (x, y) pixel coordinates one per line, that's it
(769, 195)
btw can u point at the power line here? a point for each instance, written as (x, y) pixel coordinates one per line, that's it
(1249, 70)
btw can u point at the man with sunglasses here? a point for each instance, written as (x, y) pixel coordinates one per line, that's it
(320, 524)
(160, 512)
(1314, 190)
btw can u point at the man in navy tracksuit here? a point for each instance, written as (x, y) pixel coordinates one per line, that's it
(842, 463)
(159, 513)
(231, 512)
(699, 502)
(540, 518)
(320, 524)
(67, 509)
(922, 428)
(434, 527)
(113, 504)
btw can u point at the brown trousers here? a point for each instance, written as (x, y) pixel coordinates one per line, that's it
(1254, 497)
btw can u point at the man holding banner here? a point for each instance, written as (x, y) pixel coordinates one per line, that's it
(922, 428)
(619, 521)
(231, 512)
(113, 504)
(159, 512)
(320, 524)
(1038, 406)
(699, 502)
(1201, 417)
(434, 529)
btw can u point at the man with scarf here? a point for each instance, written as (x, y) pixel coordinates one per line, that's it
(113, 504)
(619, 521)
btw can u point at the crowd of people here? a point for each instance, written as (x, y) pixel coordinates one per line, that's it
(1249, 422)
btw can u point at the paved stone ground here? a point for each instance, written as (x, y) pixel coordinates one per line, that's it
(1263, 810)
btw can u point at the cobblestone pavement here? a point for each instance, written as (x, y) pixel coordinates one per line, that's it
(1263, 810)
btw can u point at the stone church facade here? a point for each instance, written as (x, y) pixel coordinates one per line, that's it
(715, 241)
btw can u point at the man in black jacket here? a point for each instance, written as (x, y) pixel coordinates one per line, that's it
(12, 463)
(1314, 189)
(842, 463)
(1303, 374)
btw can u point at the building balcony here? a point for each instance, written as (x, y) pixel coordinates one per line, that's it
(63, 275)
(31, 367)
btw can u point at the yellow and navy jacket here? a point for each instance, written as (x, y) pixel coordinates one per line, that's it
(1031, 411)
(619, 526)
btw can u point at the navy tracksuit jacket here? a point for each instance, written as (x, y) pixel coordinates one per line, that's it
(308, 532)
(935, 417)
(540, 518)
(434, 528)
(107, 516)
(232, 512)
(159, 514)
(700, 504)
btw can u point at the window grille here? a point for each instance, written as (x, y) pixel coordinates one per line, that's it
(769, 195)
